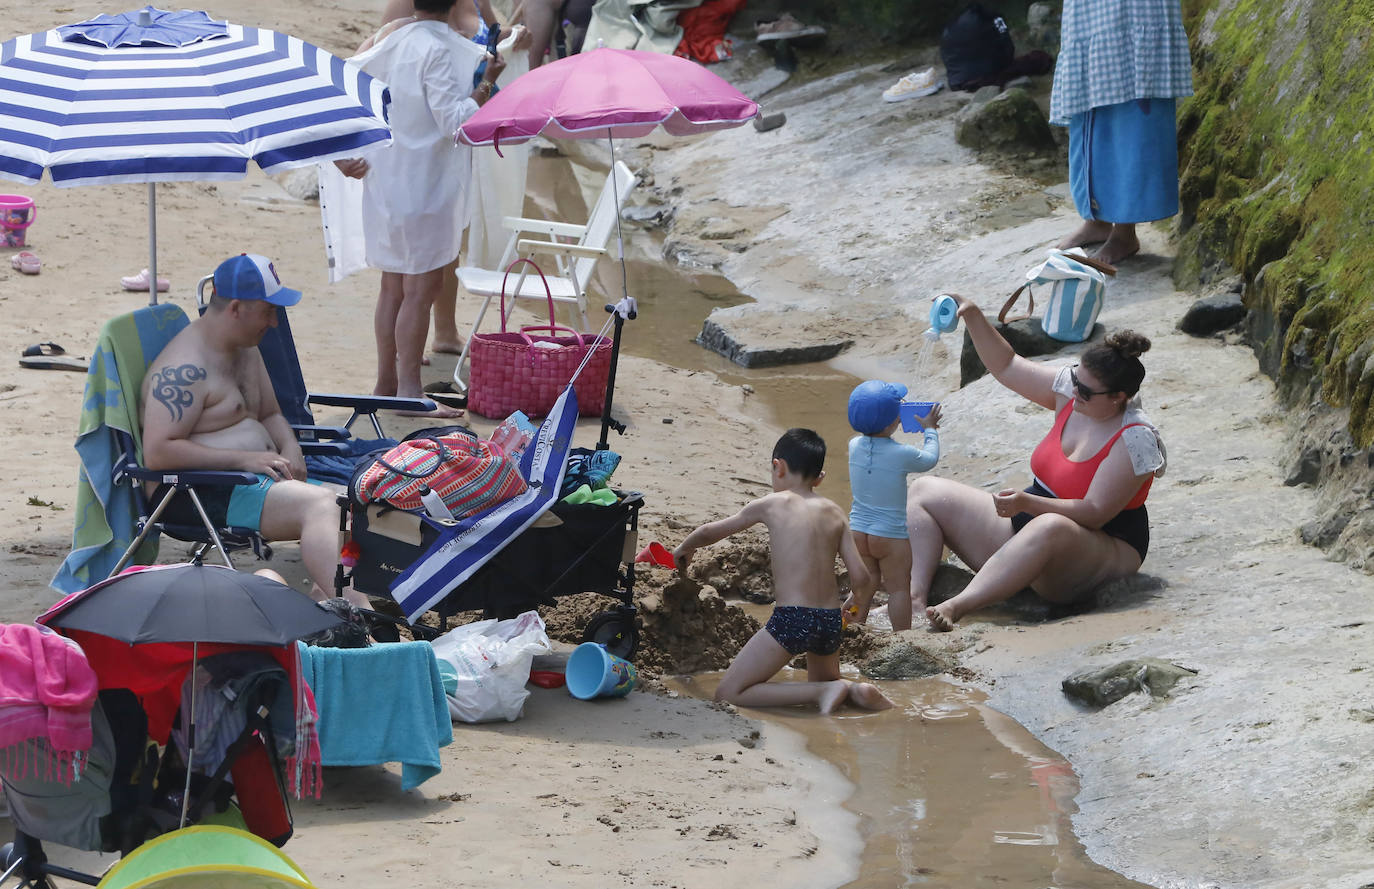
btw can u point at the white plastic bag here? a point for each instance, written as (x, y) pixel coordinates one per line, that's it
(492, 660)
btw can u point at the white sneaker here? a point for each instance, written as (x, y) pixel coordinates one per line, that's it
(915, 84)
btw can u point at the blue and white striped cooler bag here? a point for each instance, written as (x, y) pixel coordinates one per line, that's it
(1078, 286)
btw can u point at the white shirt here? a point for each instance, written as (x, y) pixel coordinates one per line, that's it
(415, 203)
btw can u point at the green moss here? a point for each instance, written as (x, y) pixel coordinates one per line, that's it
(1277, 178)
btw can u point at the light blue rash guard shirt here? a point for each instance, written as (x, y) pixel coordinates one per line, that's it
(878, 468)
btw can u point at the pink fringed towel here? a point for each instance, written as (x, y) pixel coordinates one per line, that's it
(47, 690)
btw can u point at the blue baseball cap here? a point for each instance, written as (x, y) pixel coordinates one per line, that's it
(249, 276)
(873, 405)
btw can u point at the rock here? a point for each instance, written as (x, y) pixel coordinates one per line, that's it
(1100, 687)
(985, 94)
(765, 122)
(1213, 314)
(1307, 469)
(753, 335)
(1027, 338)
(1008, 122)
(717, 229)
(1323, 532)
(647, 215)
(903, 657)
(949, 581)
(1042, 27)
(303, 184)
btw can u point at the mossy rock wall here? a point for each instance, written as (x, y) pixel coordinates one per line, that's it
(1277, 182)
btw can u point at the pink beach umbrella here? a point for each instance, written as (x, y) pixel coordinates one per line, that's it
(605, 93)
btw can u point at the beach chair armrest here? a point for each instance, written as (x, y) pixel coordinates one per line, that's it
(191, 477)
(319, 433)
(544, 227)
(528, 245)
(324, 448)
(368, 404)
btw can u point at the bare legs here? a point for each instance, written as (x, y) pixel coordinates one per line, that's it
(888, 559)
(446, 336)
(746, 682)
(538, 16)
(401, 325)
(294, 510)
(1053, 555)
(1118, 240)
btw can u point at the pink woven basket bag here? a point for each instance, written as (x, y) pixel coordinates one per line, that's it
(523, 372)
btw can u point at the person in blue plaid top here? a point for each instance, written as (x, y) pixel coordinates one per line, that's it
(1122, 64)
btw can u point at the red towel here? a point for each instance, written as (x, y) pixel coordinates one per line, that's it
(47, 690)
(703, 31)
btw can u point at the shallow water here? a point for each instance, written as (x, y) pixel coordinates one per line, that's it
(949, 791)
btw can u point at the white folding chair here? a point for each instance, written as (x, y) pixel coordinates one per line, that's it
(574, 248)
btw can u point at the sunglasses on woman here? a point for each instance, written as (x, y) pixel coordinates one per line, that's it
(1083, 391)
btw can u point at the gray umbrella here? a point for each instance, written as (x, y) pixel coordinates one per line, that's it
(192, 603)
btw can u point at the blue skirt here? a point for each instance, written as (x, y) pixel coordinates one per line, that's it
(1123, 161)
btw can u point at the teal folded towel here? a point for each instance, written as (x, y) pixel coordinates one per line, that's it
(380, 704)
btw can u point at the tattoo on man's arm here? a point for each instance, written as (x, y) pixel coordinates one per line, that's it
(169, 387)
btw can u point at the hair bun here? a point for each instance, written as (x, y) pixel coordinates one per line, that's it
(1128, 343)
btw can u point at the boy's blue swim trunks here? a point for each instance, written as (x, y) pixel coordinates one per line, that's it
(803, 630)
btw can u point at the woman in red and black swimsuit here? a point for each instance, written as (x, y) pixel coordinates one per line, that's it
(1083, 521)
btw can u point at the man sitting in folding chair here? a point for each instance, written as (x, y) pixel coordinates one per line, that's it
(208, 404)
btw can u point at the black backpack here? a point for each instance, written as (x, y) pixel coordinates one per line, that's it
(975, 46)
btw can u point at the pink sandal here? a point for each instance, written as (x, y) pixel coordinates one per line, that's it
(140, 282)
(26, 262)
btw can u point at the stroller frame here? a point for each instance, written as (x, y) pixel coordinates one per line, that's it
(605, 535)
(136, 815)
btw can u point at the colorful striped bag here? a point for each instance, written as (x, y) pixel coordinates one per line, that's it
(470, 474)
(1078, 287)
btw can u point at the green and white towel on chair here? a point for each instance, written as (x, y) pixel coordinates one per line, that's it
(106, 513)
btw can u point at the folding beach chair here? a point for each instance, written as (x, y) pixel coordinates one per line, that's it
(574, 248)
(115, 522)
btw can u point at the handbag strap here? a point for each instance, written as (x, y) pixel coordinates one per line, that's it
(1011, 301)
(1103, 267)
(552, 329)
(547, 292)
(443, 455)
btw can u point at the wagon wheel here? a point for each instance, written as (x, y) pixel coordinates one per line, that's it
(616, 630)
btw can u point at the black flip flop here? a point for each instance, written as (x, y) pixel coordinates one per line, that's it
(51, 356)
(444, 393)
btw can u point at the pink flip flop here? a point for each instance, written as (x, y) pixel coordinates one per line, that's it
(26, 262)
(140, 282)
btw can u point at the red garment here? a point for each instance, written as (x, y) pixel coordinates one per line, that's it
(703, 31)
(1070, 479)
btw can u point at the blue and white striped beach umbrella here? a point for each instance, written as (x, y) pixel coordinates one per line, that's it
(155, 96)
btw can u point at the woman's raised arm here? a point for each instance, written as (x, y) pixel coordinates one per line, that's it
(1032, 381)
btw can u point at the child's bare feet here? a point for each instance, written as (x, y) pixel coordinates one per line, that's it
(833, 696)
(867, 695)
(1092, 231)
(940, 619)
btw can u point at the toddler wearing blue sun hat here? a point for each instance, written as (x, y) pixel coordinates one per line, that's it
(878, 470)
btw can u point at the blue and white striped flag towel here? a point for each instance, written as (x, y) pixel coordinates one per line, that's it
(473, 542)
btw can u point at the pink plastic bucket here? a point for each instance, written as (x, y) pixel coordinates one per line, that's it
(17, 213)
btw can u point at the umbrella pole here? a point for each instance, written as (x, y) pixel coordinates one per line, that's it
(619, 237)
(152, 245)
(190, 732)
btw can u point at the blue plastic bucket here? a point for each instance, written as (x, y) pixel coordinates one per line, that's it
(909, 411)
(593, 672)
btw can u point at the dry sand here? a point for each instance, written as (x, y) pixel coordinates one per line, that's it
(1251, 777)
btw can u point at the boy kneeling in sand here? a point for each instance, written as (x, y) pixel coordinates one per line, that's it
(805, 531)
